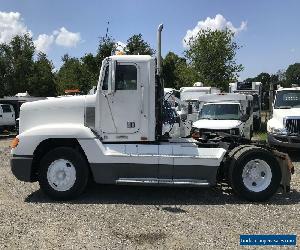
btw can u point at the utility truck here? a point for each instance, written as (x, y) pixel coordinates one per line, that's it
(227, 113)
(115, 137)
(7, 117)
(284, 126)
(254, 89)
(189, 103)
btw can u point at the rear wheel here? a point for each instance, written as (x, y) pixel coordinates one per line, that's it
(254, 174)
(63, 173)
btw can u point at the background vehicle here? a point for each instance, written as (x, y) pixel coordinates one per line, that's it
(227, 113)
(115, 137)
(284, 126)
(254, 89)
(190, 96)
(7, 117)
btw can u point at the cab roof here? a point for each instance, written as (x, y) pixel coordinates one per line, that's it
(294, 88)
(130, 58)
(224, 97)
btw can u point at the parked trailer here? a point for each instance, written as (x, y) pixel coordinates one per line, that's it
(115, 137)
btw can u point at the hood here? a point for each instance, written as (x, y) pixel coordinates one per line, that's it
(280, 114)
(217, 124)
(52, 111)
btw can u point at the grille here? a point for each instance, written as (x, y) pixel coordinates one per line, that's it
(227, 131)
(293, 126)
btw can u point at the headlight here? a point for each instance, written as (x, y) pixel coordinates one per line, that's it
(282, 131)
(195, 133)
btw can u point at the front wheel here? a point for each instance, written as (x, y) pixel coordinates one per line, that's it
(63, 173)
(254, 174)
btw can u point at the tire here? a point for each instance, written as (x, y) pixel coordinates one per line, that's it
(63, 173)
(254, 174)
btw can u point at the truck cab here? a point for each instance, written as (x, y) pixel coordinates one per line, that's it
(124, 97)
(227, 113)
(284, 126)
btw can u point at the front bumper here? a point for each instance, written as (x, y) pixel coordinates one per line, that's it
(21, 167)
(284, 140)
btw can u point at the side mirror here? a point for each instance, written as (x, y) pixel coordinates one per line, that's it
(190, 109)
(245, 117)
(111, 77)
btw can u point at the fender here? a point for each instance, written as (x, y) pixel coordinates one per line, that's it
(30, 139)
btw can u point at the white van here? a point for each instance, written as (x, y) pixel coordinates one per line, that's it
(227, 113)
(7, 117)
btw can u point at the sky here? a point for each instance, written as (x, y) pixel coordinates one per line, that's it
(267, 31)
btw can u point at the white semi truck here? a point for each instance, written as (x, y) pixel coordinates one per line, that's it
(284, 126)
(226, 113)
(115, 137)
(254, 89)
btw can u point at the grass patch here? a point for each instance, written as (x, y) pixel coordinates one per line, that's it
(261, 134)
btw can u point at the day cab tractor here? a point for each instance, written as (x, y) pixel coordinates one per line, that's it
(115, 137)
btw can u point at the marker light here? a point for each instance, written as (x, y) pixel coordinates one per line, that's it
(14, 143)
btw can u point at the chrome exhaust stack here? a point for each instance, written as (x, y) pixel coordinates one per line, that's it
(158, 55)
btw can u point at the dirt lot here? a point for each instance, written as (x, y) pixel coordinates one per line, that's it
(114, 217)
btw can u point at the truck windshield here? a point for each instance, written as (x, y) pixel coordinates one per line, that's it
(220, 111)
(287, 99)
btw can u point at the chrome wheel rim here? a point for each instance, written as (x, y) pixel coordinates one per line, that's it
(257, 175)
(61, 175)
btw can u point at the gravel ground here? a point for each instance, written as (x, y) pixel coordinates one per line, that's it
(115, 217)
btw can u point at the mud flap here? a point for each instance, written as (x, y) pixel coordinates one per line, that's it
(287, 169)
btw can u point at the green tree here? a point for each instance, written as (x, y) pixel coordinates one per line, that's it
(16, 65)
(42, 82)
(90, 66)
(6, 69)
(137, 46)
(265, 79)
(176, 73)
(293, 74)
(212, 55)
(106, 46)
(73, 74)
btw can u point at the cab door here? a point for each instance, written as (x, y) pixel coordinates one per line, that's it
(122, 108)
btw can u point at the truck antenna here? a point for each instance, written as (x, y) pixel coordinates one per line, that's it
(106, 35)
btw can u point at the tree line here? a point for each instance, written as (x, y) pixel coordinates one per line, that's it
(209, 58)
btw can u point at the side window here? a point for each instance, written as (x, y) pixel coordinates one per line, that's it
(126, 77)
(105, 79)
(6, 108)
